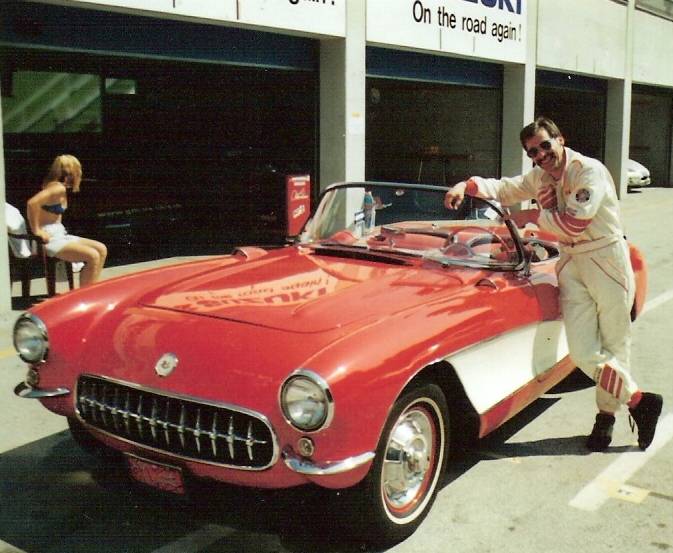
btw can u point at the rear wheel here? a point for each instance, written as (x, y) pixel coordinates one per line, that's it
(399, 490)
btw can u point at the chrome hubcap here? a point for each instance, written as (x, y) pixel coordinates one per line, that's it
(409, 456)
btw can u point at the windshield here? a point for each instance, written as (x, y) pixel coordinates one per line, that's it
(411, 220)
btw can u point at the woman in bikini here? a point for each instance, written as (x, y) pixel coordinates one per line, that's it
(45, 210)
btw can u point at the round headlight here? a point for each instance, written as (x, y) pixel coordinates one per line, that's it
(30, 338)
(306, 401)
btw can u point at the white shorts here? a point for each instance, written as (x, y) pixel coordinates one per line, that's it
(58, 238)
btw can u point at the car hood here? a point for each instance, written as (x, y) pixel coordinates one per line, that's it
(298, 290)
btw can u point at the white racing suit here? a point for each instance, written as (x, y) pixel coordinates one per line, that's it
(596, 280)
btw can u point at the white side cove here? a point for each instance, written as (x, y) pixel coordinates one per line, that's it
(493, 370)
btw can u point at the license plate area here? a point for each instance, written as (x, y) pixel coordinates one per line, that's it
(163, 477)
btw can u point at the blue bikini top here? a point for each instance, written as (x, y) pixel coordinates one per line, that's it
(56, 209)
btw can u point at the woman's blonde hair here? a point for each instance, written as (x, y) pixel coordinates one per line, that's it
(65, 168)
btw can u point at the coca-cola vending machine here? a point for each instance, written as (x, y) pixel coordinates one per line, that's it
(297, 202)
(280, 204)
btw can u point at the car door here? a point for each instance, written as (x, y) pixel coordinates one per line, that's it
(522, 341)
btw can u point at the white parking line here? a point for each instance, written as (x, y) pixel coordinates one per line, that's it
(604, 486)
(198, 540)
(608, 483)
(656, 302)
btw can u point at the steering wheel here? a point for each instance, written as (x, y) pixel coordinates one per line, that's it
(470, 243)
(458, 249)
(474, 241)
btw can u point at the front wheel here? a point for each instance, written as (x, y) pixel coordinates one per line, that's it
(399, 490)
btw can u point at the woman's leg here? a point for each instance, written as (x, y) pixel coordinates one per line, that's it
(102, 252)
(79, 251)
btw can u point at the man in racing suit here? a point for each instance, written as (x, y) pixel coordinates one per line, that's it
(578, 203)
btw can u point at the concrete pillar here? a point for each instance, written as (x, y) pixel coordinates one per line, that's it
(5, 283)
(670, 157)
(618, 116)
(518, 107)
(343, 100)
(617, 130)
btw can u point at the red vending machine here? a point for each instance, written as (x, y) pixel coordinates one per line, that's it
(279, 205)
(297, 202)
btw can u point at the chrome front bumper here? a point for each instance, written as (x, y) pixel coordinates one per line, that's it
(303, 466)
(639, 182)
(26, 391)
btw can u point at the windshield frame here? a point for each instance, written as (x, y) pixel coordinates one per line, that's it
(521, 264)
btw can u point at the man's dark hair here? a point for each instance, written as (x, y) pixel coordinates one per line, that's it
(529, 131)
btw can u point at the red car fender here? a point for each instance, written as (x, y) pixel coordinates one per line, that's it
(640, 272)
(367, 386)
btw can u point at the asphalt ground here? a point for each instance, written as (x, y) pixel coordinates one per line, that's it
(529, 487)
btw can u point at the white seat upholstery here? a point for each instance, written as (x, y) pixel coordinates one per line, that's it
(16, 224)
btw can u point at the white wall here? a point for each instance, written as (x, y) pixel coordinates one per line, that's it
(582, 36)
(652, 49)
(457, 27)
(321, 18)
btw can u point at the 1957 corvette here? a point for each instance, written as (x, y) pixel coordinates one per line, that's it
(353, 357)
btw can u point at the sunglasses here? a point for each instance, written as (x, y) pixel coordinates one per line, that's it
(545, 145)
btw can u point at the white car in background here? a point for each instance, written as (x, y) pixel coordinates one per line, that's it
(637, 175)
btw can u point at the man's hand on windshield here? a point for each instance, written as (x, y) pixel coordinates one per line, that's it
(525, 216)
(454, 197)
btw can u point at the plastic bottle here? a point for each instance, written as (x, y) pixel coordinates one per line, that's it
(370, 212)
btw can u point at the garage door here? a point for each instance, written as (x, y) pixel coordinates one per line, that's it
(430, 118)
(577, 104)
(650, 144)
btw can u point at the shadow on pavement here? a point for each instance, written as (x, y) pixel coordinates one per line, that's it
(22, 304)
(571, 445)
(56, 497)
(576, 380)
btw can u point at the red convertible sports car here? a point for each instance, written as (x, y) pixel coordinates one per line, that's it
(352, 358)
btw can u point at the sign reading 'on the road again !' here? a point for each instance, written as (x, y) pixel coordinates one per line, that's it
(493, 29)
(324, 17)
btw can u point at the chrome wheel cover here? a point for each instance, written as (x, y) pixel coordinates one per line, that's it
(411, 454)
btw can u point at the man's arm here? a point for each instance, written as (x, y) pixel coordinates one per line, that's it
(456, 194)
(49, 195)
(507, 190)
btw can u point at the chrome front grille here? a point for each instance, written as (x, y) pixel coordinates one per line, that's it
(220, 434)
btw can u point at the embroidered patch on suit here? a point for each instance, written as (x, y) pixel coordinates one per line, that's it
(582, 195)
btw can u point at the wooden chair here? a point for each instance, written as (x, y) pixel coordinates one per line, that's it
(24, 269)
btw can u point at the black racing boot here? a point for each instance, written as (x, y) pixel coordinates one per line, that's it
(601, 435)
(646, 414)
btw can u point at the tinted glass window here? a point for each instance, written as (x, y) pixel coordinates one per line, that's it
(51, 102)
